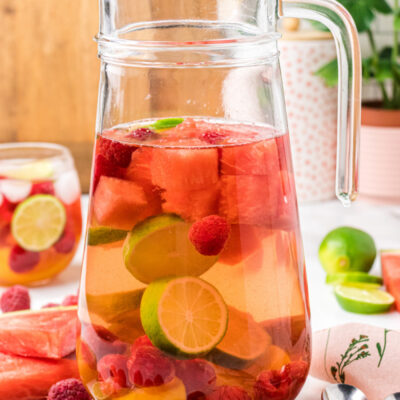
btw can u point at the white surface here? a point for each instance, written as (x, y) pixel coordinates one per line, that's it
(382, 222)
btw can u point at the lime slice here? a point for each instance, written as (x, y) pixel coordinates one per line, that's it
(38, 222)
(160, 247)
(104, 235)
(353, 277)
(363, 301)
(34, 171)
(183, 315)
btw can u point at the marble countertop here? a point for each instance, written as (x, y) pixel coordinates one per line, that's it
(382, 222)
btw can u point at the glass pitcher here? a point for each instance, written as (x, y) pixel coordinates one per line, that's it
(193, 282)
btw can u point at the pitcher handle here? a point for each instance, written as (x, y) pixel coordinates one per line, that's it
(340, 23)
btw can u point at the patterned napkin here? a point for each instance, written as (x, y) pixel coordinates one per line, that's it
(367, 357)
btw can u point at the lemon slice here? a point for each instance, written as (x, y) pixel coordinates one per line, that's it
(362, 300)
(36, 170)
(38, 222)
(184, 315)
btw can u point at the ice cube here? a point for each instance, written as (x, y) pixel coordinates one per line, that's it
(15, 190)
(67, 187)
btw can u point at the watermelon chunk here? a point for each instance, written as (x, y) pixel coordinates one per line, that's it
(243, 241)
(119, 203)
(49, 333)
(192, 205)
(139, 171)
(259, 158)
(23, 378)
(390, 263)
(184, 169)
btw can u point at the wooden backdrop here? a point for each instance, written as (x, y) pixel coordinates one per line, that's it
(49, 74)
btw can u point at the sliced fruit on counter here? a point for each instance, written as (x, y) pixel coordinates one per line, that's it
(104, 234)
(347, 249)
(49, 333)
(174, 390)
(109, 306)
(363, 300)
(159, 247)
(23, 378)
(390, 262)
(244, 342)
(353, 278)
(38, 222)
(119, 204)
(184, 315)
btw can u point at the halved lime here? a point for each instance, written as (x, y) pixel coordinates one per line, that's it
(363, 301)
(353, 277)
(184, 315)
(38, 222)
(35, 171)
(160, 247)
(104, 234)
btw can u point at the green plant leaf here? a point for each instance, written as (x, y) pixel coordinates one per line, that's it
(329, 73)
(319, 27)
(384, 70)
(166, 123)
(381, 6)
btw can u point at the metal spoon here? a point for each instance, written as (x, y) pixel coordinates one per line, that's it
(340, 391)
(394, 396)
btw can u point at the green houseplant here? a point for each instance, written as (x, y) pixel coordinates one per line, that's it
(382, 65)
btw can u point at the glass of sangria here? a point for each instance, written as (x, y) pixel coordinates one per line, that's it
(40, 212)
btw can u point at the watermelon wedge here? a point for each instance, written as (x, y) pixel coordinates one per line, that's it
(23, 378)
(390, 263)
(49, 333)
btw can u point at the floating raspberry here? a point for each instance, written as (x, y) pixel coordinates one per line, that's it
(209, 235)
(140, 342)
(272, 385)
(197, 375)
(15, 298)
(68, 389)
(42, 188)
(6, 210)
(297, 371)
(113, 372)
(141, 133)
(70, 300)
(51, 305)
(21, 261)
(104, 167)
(212, 137)
(117, 153)
(229, 393)
(149, 367)
(66, 243)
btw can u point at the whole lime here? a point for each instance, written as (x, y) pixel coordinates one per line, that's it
(347, 249)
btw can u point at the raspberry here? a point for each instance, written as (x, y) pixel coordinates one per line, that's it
(51, 305)
(103, 166)
(140, 342)
(6, 210)
(117, 153)
(209, 235)
(42, 188)
(70, 300)
(15, 298)
(68, 389)
(212, 137)
(21, 261)
(149, 367)
(197, 375)
(113, 371)
(297, 371)
(66, 243)
(141, 133)
(229, 393)
(272, 385)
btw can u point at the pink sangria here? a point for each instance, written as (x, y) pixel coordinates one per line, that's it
(40, 212)
(193, 284)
